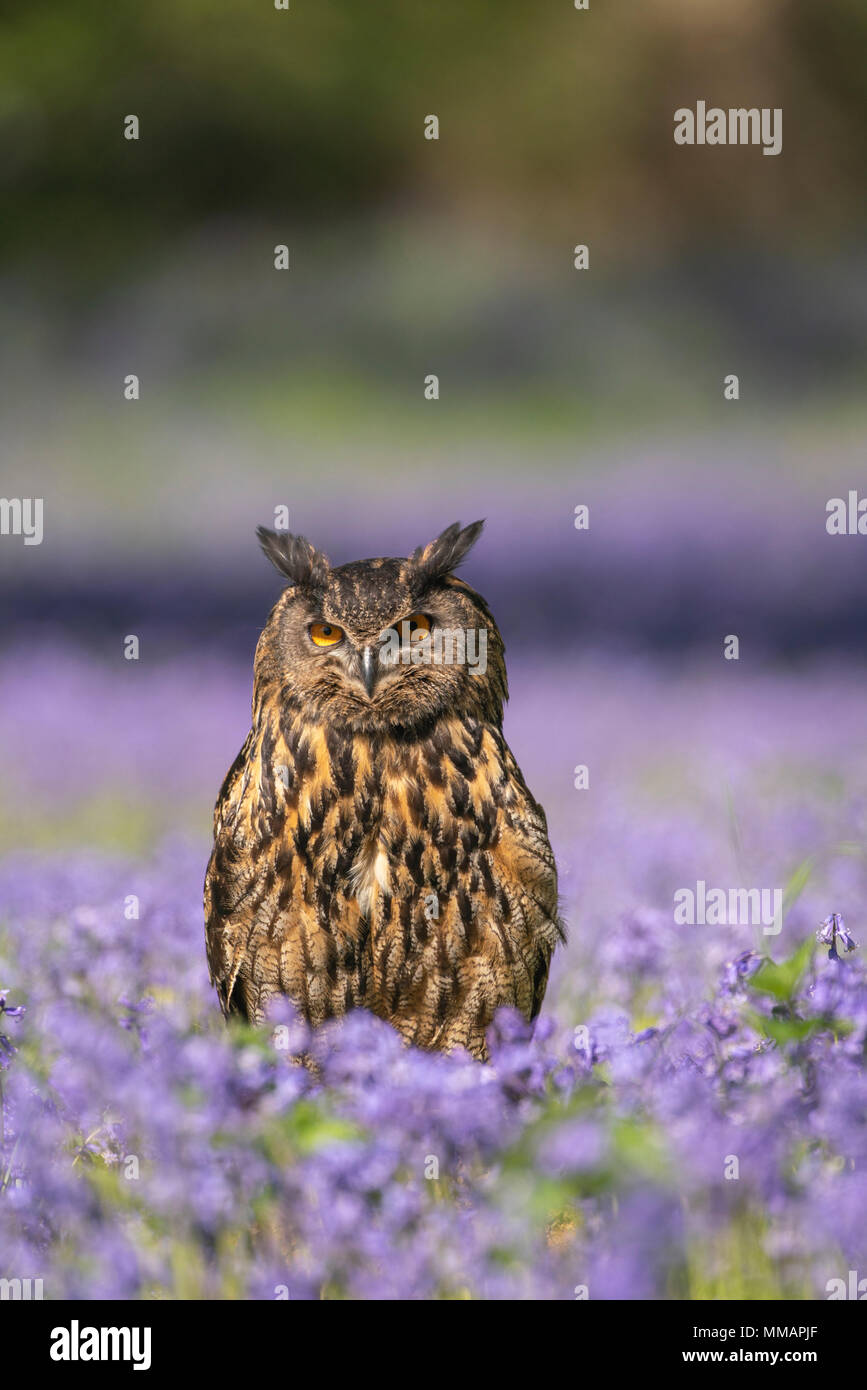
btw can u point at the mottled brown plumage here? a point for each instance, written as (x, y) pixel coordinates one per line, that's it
(375, 844)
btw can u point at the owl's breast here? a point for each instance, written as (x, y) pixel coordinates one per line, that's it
(391, 821)
(387, 815)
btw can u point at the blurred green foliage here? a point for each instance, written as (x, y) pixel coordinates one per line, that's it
(551, 118)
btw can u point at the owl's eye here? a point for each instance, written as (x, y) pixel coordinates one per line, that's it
(418, 622)
(325, 634)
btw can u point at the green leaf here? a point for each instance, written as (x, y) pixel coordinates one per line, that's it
(782, 980)
(797, 883)
(785, 1030)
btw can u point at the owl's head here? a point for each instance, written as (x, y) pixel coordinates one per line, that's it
(380, 645)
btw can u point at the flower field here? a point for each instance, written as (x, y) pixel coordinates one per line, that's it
(689, 1120)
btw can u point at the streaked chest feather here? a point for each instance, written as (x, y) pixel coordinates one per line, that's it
(370, 872)
(373, 820)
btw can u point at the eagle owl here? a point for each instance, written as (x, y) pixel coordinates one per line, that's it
(375, 844)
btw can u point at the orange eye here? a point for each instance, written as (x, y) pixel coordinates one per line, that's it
(418, 622)
(326, 634)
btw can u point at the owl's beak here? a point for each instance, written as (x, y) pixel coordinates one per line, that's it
(369, 663)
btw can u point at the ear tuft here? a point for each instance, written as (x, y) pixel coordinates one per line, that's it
(295, 558)
(441, 556)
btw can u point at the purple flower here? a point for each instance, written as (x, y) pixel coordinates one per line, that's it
(7, 1047)
(9, 1010)
(833, 930)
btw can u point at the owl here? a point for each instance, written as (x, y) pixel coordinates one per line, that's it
(375, 844)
